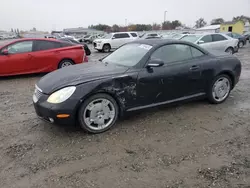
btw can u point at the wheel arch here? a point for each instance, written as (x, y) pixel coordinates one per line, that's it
(115, 97)
(230, 74)
(65, 59)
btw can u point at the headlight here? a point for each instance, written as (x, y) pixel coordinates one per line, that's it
(61, 95)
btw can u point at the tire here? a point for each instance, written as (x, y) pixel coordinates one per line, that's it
(105, 115)
(65, 63)
(230, 50)
(106, 48)
(211, 92)
(240, 44)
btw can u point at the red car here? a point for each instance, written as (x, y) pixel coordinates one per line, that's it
(27, 56)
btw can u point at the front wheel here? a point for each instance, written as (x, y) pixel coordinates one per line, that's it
(106, 48)
(230, 50)
(98, 113)
(241, 44)
(220, 89)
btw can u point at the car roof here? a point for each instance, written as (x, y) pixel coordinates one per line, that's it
(157, 41)
(24, 39)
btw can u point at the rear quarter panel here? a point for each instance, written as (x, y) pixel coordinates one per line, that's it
(75, 53)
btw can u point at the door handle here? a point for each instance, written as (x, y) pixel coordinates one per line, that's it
(194, 67)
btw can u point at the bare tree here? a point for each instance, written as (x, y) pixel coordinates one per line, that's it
(200, 23)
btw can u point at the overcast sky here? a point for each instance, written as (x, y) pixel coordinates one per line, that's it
(49, 15)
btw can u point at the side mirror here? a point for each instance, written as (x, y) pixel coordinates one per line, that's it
(201, 42)
(155, 63)
(5, 52)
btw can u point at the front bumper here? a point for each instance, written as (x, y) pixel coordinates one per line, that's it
(97, 46)
(49, 112)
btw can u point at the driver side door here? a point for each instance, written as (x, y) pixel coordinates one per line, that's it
(18, 58)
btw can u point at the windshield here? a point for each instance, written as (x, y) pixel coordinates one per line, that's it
(191, 38)
(107, 36)
(128, 55)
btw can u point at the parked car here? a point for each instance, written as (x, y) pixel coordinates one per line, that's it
(70, 40)
(247, 35)
(215, 41)
(138, 75)
(114, 41)
(242, 39)
(149, 35)
(25, 56)
(88, 39)
(178, 36)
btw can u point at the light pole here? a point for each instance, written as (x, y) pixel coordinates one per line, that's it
(165, 16)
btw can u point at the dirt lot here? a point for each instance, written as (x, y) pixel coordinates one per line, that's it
(186, 146)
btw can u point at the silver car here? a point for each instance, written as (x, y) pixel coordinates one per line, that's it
(214, 41)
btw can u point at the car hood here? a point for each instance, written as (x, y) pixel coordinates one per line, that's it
(78, 74)
(101, 40)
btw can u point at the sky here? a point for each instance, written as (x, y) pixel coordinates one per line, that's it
(47, 15)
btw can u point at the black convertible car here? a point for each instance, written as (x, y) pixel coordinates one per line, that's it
(138, 75)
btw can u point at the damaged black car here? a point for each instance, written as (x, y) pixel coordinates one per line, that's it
(138, 75)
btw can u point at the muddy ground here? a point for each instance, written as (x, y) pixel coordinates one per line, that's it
(194, 145)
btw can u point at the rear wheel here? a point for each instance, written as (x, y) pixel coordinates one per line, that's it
(220, 89)
(98, 113)
(106, 48)
(230, 50)
(65, 63)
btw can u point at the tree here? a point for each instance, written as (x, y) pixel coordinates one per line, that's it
(200, 23)
(115, 28)
(217, 21)
(176, 23)
(167, 25)
(242, 18)
(156, 26)
(100, 27)
(12, 31)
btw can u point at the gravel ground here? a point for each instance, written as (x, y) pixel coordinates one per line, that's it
(185, 146)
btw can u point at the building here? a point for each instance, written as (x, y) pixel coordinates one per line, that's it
(81, 31)
(208, 29)
(234, 26)
(247, 26)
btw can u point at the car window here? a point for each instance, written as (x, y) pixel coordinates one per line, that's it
(121, 35)
(207, 38)
(20, 47)
(229, 34)
(134, 34)
(217, 37)
(196, 53)
(40, 45)
(172, 53)
(152, 34)
(236, 35)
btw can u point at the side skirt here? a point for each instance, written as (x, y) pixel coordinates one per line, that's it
(167, 102)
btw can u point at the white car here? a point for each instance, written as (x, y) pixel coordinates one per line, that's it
(214, 41)
(114, 40)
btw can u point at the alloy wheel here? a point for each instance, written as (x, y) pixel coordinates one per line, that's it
(99, 114)
(221, 89)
